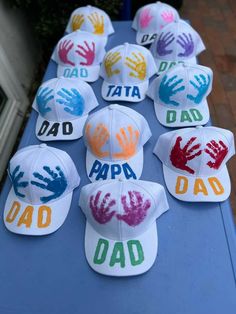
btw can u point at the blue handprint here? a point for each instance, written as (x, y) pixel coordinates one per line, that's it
(201, 88)
(42, 98)
(56, 184)
(166, 90)
(15, 179)
(73, 100)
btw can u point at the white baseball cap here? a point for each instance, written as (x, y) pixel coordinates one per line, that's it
(180, 95)
(194, 163)
(43, 179)
(114, 137)
(63, 105)
(121, 233)
(178, 42)
(150, 19)
(126, 70)
(90, 19)
(79, 55)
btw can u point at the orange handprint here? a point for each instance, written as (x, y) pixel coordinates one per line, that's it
(98, 23)
(138, 65)
(98, 139)
(128, 145)
(111, 59)
(77, 21)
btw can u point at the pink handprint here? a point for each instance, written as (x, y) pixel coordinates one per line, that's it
(136, 211)
(101, 212)
(145, 18)
(88, 54)
(168, 16)
(64, 49)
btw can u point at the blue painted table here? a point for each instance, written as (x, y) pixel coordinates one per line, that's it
(194, 272)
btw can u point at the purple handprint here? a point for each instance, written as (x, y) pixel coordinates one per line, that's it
(88, 54)
(136, 211)
(163, 42)
(101, 212)
(186, 42)
(64, 49)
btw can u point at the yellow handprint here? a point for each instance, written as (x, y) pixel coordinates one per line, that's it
(98, 23)
(77, 21)
(128, 145)
(98, 139)
(138, 65)
(111, 59)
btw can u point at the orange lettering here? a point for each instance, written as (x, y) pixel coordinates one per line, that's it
(199, 187)
(216, 185)
(181, 185)
(26, 217)
(13, 212)
(47, 211)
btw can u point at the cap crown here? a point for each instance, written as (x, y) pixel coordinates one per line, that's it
(63, 99)
(41, 174)
(200, 151)
(122, 210)
(116, 133)
(128, 64)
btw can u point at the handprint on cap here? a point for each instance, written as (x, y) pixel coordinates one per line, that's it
(166, 90)
(111, 59)
(87, 53)
(163, 42)
(201, 88)
(145, 18)
(64, 49)
(186, 42)
(98, 23)
(73, 101)
(101, 213)
(138, 65)
(42, 99)
(128, 145)
(136, 210)
(180, 156)
(168, 16)
(98, 139)
(77, 22)
(217, 151)
(15, 176)
(56, 183)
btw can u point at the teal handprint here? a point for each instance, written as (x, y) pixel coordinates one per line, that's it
(73, 101)
(202, 88)
(42, 99)
(166, 90)
(15, 176)
(56, 183)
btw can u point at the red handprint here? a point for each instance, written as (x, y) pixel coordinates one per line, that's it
(88, 54)
(64, 49)
(217, 151)
(101, 212)
(180, 156)
(136, 211)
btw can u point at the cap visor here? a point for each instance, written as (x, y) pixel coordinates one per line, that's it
(24, 218)
(176, 117)
(85, 73)
(121, 258)
(145, 38)
(55, 131)
(215, 188)
(131, 93)
(164, 65)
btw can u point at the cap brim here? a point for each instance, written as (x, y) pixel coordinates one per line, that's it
(164, 65)
(24, 218)
(131, 92)
(121, 258)
(46, 130)
(215, 188)
(85, 73)
(98, 169)
(145, 38)
(175, 117)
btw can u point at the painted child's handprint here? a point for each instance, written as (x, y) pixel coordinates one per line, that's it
(77, 22)
(217, 151)
(88, 53)
(63, 51)
(186, 42)
(56, 183)
(163, 42)
(72, 100)
(145, 18)
(180, 156)
(202, 87)
(136, 210)
(111, 59)
(44, 95)
(167, 16)
(166, 90)
(98, 23)
(138, 65)
(127, 143)
(101, 212)
(98, 139)
(15, 176)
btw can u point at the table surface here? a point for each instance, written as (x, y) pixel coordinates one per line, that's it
(194, 271)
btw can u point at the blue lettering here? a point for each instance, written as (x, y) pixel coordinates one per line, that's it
(103, 172)
(95, 168)
(135, 92)
(128, 171)
(83, 72)
(74, 73)
(110, 87)
(66, 73)
(127, 89)
(117, 91)
(115, 170)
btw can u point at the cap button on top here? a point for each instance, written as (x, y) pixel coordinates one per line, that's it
(199, 126)
(43, 145)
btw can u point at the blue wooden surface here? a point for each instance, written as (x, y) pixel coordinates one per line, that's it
(195, 268)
